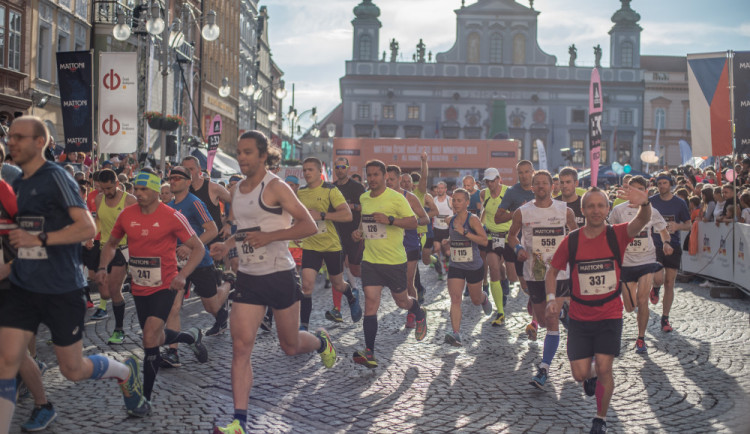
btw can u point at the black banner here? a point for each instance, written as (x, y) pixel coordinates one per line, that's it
(74, 77)
(741, 72)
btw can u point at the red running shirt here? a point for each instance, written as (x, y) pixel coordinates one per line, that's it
(152, 242)
(8, 207)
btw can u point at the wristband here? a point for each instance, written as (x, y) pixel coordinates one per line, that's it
(232, 253)
(550, 297)
(518, 247)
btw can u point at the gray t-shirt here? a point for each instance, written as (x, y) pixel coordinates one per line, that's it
(515, 197)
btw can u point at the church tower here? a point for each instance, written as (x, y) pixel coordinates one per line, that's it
(625, 38)
(366, 32)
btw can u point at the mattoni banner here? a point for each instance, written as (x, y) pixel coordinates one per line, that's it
(741, 80)
(742, 255)
(595, 124)
(74, 76)
(118, 102)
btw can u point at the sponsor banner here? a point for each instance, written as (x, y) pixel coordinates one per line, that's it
(715, 256)
(118, 103)
(214, 138)
(742, 255)
(595, 124)
(708, 92)
(74, 75)
(542, 155)
(741, 80)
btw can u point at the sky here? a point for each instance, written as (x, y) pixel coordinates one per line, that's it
(311, 39)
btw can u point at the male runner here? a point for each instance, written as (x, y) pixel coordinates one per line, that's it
(385, 215)
(210, 193)
(109, 205)
(412, 244)
(491, 198)
(639, 262)
(568, 183)
(428, 202)
(676, 214)
(440, 223)
(153, 229)
(268, 215)
(475, 202)
(326, 205)
(543, 223)
(46, 278)
(407, 184)
(595, 328)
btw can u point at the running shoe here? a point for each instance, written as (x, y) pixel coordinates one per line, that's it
(598, 426)
(334, 315)
(40, 418)
(487, 305)
(41, 365)
(499, 320)
(486, 288)
(200, 350)
(411, 321)
(327, 284)
(589, 386)
(354, 307)
(666, 326)
(531, 332)
(89, 304)
(143, 409)
(453, 338)
(328, 356)
(132, 390)
(654, 296)
(217, 329)
(540, 378)
(365, 358)
(118, 337)
(99, 314)
(421, 330)
(233, 428)
(170, 358)
(564, 315)
(640, 346)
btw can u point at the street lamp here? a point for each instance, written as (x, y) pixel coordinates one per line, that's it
(249, 87)
(121, 31)
(155, 24)
(331, 130)
(210, 31)
(225, 88)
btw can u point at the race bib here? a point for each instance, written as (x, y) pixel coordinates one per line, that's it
(498, 240)
(440, 220)
(461, 251)
(322, 226)
(246, 253)
(667, 219)
(34, 226)
(545, 240)
(639, 243)
(145, 271)
(597, 277)
(372, 230)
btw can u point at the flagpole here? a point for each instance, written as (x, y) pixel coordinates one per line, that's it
(730, 54)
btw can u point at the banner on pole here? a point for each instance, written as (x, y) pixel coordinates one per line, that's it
(742, 255)
(708, 92)
(214, 138)
(741, 80)
(118, 102)
(74, 76)
(542, 155)
(595, 124)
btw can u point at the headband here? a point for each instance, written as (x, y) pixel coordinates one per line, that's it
(149, 180)
(664, 177)
(180, 172)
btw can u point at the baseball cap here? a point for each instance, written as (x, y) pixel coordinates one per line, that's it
(106, 162)
(491, 174)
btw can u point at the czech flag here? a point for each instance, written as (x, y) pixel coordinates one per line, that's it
(710, 113)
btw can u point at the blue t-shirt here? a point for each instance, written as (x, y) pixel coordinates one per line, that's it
(474, 201)
(515, 197)
(673, 210)
(197, 215)
(44, 200)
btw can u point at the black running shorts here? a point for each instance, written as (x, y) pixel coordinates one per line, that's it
(314, 259)
(158, 304)
(470, 276)
(392, 276)
(276, 290)
(671, 261)
(538, 293)
(586, 338)
(204, 279)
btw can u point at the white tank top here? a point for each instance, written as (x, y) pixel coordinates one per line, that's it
(543, 231)
(444, 211)
(251, 214)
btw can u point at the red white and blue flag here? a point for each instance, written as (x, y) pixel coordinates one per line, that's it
(710, 113)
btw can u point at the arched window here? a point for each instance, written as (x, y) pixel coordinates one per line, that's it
(626, 52)
(473, 48)
(496, 48)
(660, 116)
(365, 48)
(519, 49)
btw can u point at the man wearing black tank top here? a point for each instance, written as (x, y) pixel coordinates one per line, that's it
(210, 193)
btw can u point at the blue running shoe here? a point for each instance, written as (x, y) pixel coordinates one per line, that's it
(40, 418)
(132, 389)
(354, 308)
(540, 378)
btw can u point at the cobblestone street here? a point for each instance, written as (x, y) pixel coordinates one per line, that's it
(696, 379)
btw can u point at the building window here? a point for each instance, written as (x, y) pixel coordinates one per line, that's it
(660, 116)
(577, 147)
(65, 3)
(687, 120)
(496, 48)
(82, 9)
(473, 48)
(2, 36)
(363, 111)
(14, 40)
(365, 51)
(62, 42)
(623, 152)
(80, 37)
(627, 54)
(535, 152)
(413, 112)
(626, 117)
(578, 116)
(603, 153)
(519, 49)
(520, 148)
(389, 112)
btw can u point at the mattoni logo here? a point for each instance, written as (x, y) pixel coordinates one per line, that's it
(76, 103)
(111, 126)
(78, 141)
(111, 80)
(72, 66)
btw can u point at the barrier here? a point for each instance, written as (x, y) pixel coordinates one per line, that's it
(742, 255)
(722, 253)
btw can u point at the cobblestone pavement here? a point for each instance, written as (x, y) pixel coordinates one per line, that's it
(696, 379)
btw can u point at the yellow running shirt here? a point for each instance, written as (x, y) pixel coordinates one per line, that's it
(323, 198)
(420, 229)
(107, 217)
(384, 243)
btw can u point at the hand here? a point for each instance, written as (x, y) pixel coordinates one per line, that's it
(522, 255)
(218, 250)
(668, 250)
(423, 157)
(634, 196)
(226, 231)
(178, 283)
(183, 251)
(380, 218)
(22, 238)
(101, 277)
(315, 214)
(357, 236)
(4, 271)
(257, 239)
(553, 308)
(90, 244)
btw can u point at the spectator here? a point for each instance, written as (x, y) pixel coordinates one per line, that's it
(694, 205)
(709, 204)
(719, 210)
(727, 192)
(745, 205)
(682, 193)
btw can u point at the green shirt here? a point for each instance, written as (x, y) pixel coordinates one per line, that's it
(323, 198)
(491, 204)
(384, 243)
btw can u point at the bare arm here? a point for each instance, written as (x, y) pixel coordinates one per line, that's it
(342, 214)
(422, 185)
(550, 286)
(480, 236)
(502, 216)
(219, 192)
(515, 227)
(571, 220)
(430, 203)
(422, 218)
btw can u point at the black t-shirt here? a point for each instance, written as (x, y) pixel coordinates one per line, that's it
(576, 207)
(351, 191)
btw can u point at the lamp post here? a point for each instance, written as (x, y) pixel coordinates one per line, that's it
(255, 94)
(294, 120)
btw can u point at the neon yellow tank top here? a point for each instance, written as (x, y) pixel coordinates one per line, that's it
(490, 209)
(420, 229)
(107, 217)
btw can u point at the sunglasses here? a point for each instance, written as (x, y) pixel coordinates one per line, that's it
(342, 167)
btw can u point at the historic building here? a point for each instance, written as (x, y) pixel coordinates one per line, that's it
(15, 42)
(496, 82)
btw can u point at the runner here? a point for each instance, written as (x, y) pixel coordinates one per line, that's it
(385, 215)
(268, 215)
(676, 214)
(412, 244)
(470, 185)
(593, 255)
(466, 234)
(153, 229)
(427, 201)
(639, 262)
(210, 193)
(326, 205)
(407, 184)
(568, 180)
(491, 198)
(440, 224)
(543, 223)
(46, 278)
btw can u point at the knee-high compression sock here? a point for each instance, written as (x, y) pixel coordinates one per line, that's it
(119, 311)
(599, 394)
(104, 367)
(174, 336)
(370, 326)
(497, 294)
(102, 304)
(150, 368)
(416, 309)
(305, 309)
(551, 342)
(7, 403)
(336, 298)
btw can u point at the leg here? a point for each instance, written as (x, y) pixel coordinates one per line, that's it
(411, 271)
(670, 274)
(308, 285)
(153, 337)
(644, 286)
(32, 377)
(629, 295)
(581, 369)
(245, 320)
(12, 354)
(173, 320)
(292, 340)
(455, 290)
(607, 382)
